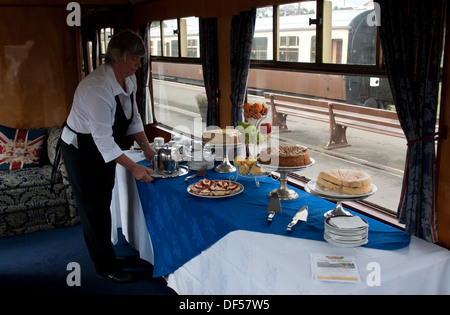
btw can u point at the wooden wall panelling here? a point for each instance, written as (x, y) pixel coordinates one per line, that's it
(38, 66)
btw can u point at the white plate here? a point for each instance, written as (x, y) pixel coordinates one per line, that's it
(346, 239)
(235, 192)
(318, 190)
(285, 168)
(329, 224)
(345, 244)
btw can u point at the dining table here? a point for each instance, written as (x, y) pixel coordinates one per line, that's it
(227, 245)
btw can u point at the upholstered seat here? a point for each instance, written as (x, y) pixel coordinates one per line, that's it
(27, 203)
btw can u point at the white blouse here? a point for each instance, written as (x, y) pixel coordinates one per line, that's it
(94, 107)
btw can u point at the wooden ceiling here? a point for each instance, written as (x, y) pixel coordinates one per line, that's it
(88, 7)
(65, 2)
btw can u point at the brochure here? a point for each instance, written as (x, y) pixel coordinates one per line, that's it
(334, 268)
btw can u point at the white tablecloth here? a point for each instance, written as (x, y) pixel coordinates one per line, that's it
(245, 262)
(126, 211)
(255, 263)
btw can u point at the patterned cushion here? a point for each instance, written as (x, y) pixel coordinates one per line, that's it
(20, 148)
(27, 177)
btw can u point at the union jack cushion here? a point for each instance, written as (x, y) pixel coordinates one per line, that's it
(20, 148)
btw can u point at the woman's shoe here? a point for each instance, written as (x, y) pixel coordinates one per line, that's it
(119, 276)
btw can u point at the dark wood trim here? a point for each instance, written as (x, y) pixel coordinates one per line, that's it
(322, 68)
(176, 59)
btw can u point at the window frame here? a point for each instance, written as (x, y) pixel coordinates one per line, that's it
(179, 59)
(168, 59)
(318, 66)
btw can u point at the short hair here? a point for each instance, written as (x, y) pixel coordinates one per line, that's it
(124, 42)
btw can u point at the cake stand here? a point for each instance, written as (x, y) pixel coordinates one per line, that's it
(284, 193)
(316, 189)
(226, 166)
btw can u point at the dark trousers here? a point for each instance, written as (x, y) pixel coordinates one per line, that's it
(93, 181)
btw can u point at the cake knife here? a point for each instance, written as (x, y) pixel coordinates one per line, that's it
(200, 173)
(273, 207)
(301, 215)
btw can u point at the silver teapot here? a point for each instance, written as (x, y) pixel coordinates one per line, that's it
(166, 160)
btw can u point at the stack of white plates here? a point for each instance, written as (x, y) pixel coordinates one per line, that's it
(347, 231)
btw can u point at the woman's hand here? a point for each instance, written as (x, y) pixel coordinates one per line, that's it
(143, 142)
(148, 151)
(142, 173)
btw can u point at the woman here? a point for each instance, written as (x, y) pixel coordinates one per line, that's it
(103, 113)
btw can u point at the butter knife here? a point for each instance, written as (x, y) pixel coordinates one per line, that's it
(301, 215)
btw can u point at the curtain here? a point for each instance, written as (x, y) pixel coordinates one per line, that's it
(411, 36)
(144, 71)
(242, 30)
(210, 65)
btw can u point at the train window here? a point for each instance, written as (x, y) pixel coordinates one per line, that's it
(288, 48)
(318, 33)
(262, 45)
(192, 48)
(173, 45)
(189, 37)
(336, 50)
(155, 39)
(259, 48)
(177, 38)
(104, 38)
(342, 22)
(179, 96)
(381, 156)
(170, 38)
(295, 31)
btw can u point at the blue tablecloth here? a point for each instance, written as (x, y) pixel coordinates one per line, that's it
(181, 225)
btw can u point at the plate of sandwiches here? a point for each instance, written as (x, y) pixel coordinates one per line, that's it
(342, 184)
(208, 188)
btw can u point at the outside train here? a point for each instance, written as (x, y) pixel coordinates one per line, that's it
(352, 42)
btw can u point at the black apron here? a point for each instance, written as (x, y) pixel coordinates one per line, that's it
(92, 180)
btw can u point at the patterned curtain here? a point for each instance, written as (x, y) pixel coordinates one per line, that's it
(210, 65)
(242, 30)
(411, 36)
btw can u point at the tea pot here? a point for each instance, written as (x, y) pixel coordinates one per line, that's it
(166, 160)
